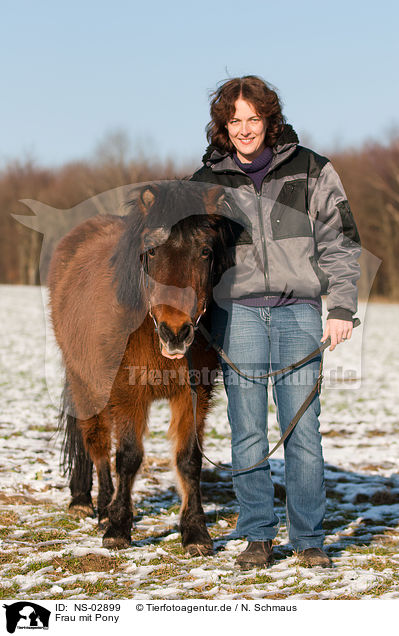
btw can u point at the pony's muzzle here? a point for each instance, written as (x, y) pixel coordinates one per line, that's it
(175, 344)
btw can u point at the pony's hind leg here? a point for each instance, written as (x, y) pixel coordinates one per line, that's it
(129, 455)
(86, 441)
(96, 435)
(78, 463)
(81, 504)
(195, 536)
(75, 458)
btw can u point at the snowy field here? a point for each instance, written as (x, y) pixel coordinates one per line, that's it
(46, 554)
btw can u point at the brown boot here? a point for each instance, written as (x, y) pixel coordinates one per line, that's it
(256, 554)
(312, 557)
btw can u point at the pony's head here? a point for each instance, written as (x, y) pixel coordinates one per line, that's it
(175, 248)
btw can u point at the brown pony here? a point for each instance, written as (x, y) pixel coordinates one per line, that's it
(126, 295)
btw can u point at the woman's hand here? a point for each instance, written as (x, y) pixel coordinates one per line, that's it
(338, 330)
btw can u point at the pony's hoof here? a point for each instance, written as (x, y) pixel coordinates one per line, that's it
(81, 510)
(116, 543)
(199, 549)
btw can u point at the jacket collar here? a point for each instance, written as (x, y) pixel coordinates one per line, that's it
(219, 160)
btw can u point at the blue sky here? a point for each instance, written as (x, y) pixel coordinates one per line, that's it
(73, 72)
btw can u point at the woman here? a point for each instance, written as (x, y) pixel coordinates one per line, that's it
(300, 240)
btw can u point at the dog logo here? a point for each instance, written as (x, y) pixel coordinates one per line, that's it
(26, 615)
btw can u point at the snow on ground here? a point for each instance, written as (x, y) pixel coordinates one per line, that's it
(45, 553)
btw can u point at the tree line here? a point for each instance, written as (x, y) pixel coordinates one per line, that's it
(370, 176)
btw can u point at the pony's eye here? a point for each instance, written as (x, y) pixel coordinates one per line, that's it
(151, 252)
(205, 252)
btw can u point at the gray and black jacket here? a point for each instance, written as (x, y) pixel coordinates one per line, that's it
(301, 239)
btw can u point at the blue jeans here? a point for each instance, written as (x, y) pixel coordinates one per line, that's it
(259, 340)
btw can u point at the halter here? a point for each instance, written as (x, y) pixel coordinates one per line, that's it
(145, 276)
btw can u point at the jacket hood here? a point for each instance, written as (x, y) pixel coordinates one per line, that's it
(287, 138)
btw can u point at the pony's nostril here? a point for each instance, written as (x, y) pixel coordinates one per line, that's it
(185, 332)
(165, 333)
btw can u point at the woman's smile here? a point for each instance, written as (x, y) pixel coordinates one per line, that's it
(247, 131)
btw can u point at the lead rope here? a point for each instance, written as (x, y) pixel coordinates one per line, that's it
(316, 389)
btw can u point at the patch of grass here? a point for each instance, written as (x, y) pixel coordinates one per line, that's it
(174, 508)
(14, 434)
(95, 532)
(326, 584)
(231, 518)
(299, 587)
(34, 566)
(258, 579)
(63, 523)
(8, 557)
(103, 588)
(389, 538)
(173, 547)
(214, 434)
(336, 433)
(216, 531)
(375, 433)
(347, 597)
(157, 434)
(372, 550)
(41, 589)
(203, 588)
(107, 587)
(67, 523)
(49, 508)
(43, 428)
(8, 518)
(8, 592)
(389, 585)
(165, 572)
(88, 563)
(162, 561)
(378, 564)
(48, 534)
(46, 548)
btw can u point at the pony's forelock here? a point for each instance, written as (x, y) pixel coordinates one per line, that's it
(181, 206)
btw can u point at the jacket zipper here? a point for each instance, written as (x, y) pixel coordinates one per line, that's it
(263, 240)
(262, 230)
(261, 225)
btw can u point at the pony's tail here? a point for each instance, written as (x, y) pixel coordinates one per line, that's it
(74, 461)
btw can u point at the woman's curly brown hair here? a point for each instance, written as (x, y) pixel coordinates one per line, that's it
(254, 90)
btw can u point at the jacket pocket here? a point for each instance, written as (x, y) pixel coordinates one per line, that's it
(289, 217)
(349, 228)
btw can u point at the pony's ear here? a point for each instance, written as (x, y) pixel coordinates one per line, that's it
(147, 198)
(214, 199)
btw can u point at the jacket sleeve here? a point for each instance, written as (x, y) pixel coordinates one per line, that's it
(337, 243)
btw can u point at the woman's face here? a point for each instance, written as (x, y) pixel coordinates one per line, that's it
(247, 131)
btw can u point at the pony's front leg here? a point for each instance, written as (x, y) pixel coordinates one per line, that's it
(195, 536)
(129, 455)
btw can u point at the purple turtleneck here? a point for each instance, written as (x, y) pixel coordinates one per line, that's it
(258, 168)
